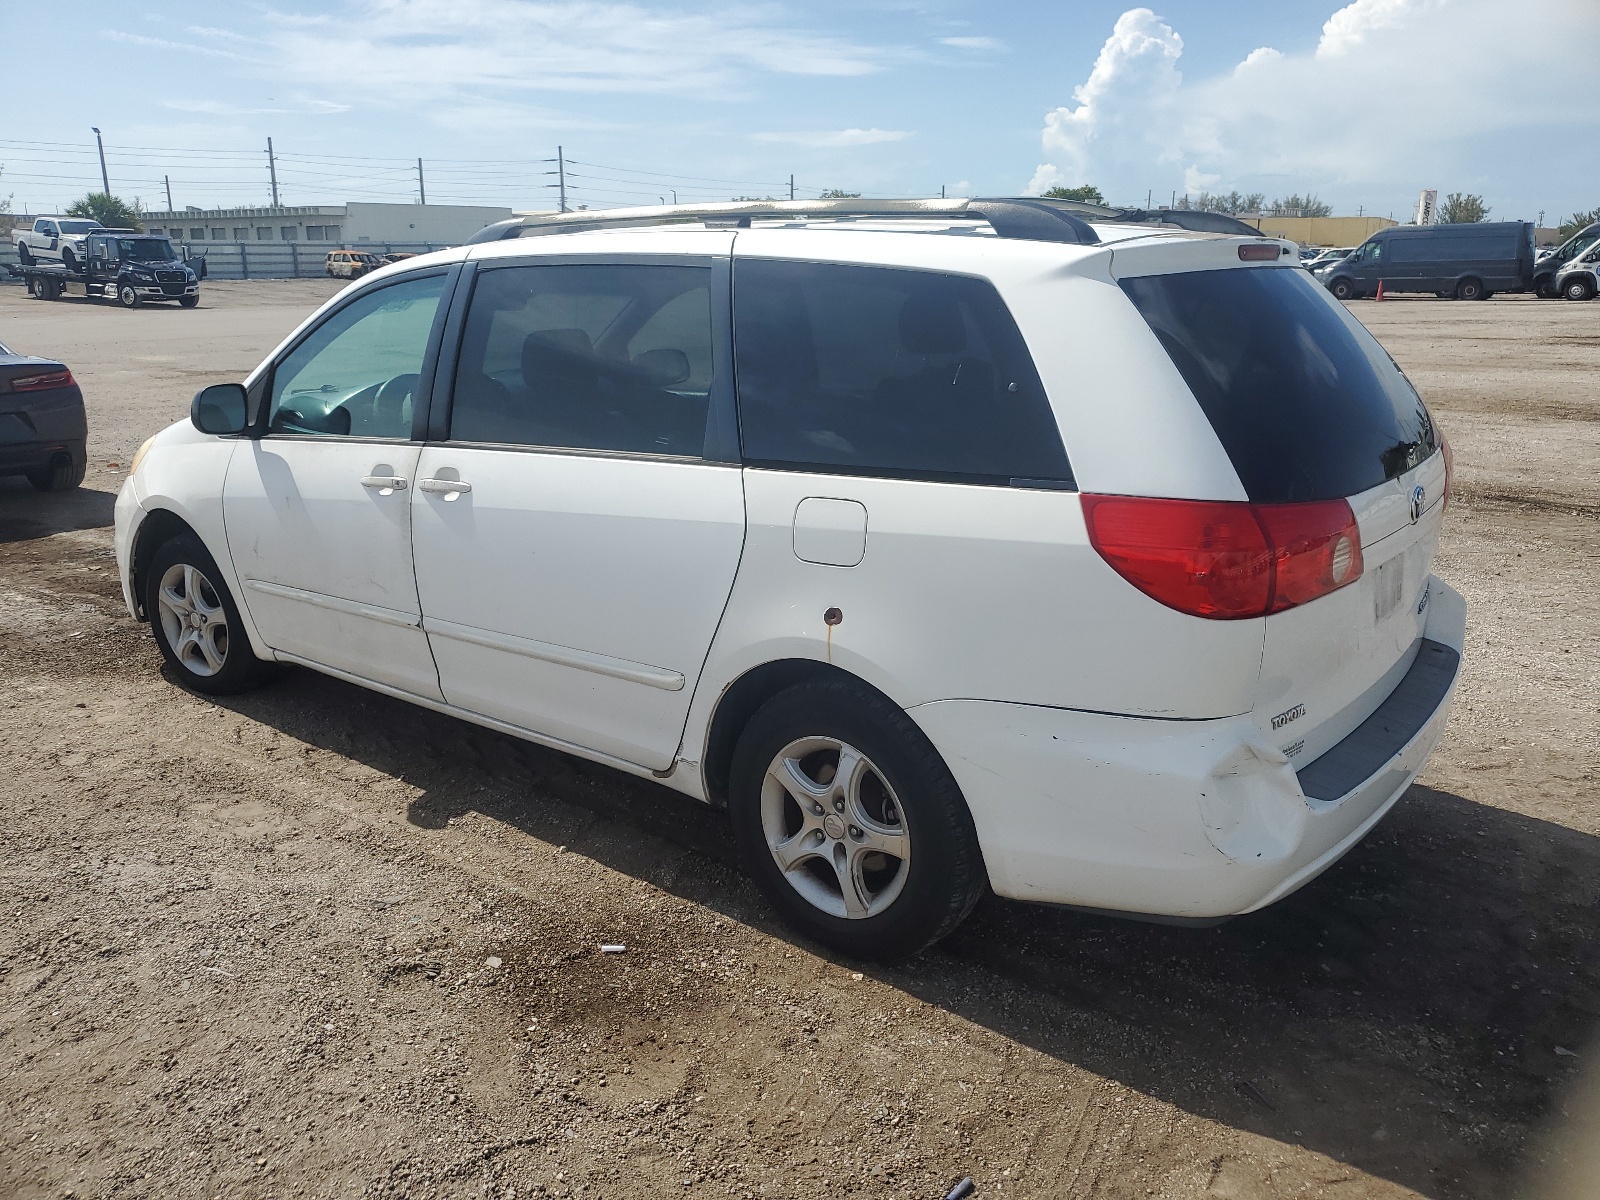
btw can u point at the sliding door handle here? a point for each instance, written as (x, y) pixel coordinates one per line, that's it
(448, 488)
(385, 484)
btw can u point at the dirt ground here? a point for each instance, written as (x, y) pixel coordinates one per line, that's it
(315, 942)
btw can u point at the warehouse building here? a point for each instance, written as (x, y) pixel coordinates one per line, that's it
(353, 224)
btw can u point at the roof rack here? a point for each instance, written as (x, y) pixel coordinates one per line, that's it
(1029, 219)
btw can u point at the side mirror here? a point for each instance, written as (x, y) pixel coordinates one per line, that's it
(220, 408)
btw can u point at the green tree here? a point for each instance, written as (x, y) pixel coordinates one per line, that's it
(840, 194)
(1232, 203)
(1086, 194)
(1294, 205)
(110, 211)
(1461, 209)
(751, 199)
(1577, 221)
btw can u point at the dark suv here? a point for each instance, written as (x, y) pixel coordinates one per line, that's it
(42, 424)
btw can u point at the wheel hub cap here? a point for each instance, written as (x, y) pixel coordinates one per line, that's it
(193, 620)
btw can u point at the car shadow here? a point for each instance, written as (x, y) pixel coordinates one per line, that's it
(26, 513)
(1400, 1014)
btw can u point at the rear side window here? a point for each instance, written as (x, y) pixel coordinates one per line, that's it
(1306, 403)
(601, 357)
(878, 371)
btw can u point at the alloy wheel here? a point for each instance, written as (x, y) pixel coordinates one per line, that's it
(193, 620)
(835, 828)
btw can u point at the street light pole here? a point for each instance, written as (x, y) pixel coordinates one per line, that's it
(105, 180)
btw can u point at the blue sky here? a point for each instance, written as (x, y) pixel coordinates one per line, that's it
(1363, 103)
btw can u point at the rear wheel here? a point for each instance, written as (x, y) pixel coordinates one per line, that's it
(1344, 289)
(1577, 288)
(62, 475)
(127, 297)
(851, 823)
(196, 622)
(24, 254)
(1470, 289)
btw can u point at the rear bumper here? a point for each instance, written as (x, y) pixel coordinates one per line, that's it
(1189, 819)
(51, 423)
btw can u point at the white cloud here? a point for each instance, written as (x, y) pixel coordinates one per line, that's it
(834, 138)
(973, 43)
(1398, 94)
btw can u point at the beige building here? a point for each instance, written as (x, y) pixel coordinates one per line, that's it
(331, 224)
(1321, 231)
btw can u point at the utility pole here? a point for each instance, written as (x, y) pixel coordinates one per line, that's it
(105, 180)
(1147, 197)
(422, 187)
(941, 191)
(561, 175)
(167, 179)
(791, 187)
(272, 170)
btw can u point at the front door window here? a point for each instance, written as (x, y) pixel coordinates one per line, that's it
(357, 375)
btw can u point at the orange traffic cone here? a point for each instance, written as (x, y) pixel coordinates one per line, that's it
(1379, 296)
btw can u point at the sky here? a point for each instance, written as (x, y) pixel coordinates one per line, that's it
(1363, 104)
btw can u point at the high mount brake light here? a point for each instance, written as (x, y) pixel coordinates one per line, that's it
(43, 382)
(1226, 560)
(1258, 252)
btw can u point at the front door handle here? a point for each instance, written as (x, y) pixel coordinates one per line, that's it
(386, 485)
(448, 488)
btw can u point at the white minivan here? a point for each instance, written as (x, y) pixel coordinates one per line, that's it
(950, 546)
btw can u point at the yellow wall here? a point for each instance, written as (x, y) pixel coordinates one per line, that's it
(1321, 231)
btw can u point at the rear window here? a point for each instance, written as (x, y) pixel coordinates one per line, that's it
(1306, 403)
(888, 372)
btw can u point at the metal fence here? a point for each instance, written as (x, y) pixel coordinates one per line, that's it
(261, 260)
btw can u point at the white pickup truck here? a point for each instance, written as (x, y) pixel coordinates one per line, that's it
(54, 239)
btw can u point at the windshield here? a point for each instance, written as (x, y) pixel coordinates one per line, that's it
(146, 250)
(1304, 400)
(79, 226)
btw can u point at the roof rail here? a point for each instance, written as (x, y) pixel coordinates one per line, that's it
(1028, 219)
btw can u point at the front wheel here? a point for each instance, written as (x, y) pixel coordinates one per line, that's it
(127, 297)
(68, 258)
(196, 622)
(850, 822)
(1577, 289)
(189, 301)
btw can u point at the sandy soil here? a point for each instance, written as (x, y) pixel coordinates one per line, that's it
(314, 942)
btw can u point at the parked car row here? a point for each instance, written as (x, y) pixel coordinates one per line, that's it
(353, 264)
(1466, 262)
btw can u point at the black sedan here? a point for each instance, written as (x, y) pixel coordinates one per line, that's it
(43, 428)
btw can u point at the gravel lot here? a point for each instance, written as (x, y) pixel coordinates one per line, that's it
(314, 942)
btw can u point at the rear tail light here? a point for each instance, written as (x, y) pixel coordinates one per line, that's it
(43, 382)
(1226, 560)
(1449, 471)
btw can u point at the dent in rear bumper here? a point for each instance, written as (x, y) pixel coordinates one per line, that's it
(1168, 818)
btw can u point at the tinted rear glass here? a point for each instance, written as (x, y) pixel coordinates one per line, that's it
(1306, 403)
(882, 371)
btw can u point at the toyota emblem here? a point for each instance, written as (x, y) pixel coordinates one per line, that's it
(1419, 500)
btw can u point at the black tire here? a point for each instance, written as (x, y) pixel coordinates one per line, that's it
(24, 254)
(69, 259)
(58, 476)
(1545, 289)
(1577, 288)
(1343, 289)
(237, 669)
(904, 791)
(189, 301)
(127, 297)
(1470, 288)
(36, 288)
